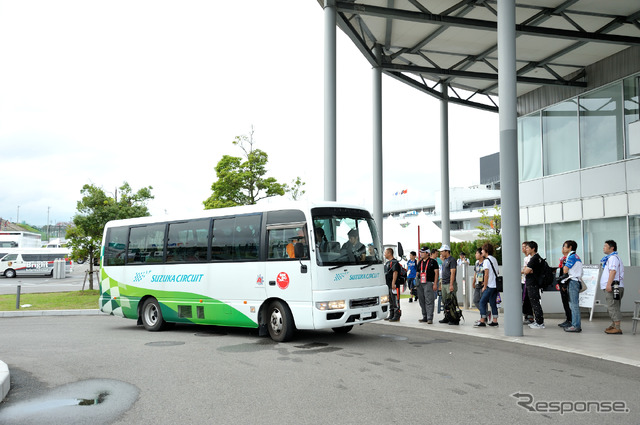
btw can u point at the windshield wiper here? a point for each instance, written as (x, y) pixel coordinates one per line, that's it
(369, 264)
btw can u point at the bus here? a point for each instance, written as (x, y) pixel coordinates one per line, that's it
(32, 261)
(274, 267)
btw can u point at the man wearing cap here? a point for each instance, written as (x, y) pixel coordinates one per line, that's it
(353, 247)
(427, 284)
(449, 284)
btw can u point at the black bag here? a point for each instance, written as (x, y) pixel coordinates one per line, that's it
(452, 311)
(401, 280)
(499, 280)
(547, 275)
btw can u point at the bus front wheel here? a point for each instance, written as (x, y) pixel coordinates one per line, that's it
(280, 322)
(152, 315)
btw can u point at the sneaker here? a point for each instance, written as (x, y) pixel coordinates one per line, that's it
(422, 320)
(454, 323)
(610, 328)
(614, 331)
(395, 319)
(572, 329)
(494, 324)
(443, 321)
(387, 318)
(564, 324)
(416, 299)
(535, 325)
(410, 300)
(429, 322)
(479, 324)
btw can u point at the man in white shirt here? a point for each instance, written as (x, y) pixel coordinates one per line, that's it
(612, 283)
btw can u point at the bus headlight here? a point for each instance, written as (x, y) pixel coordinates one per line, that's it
(331, 305)
(384, 299)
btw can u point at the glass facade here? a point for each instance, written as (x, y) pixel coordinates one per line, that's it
(587, 131)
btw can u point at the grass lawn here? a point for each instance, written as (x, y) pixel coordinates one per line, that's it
(52, 301)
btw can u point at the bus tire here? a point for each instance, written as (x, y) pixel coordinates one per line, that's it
(10, 273)
(280, 322)
(152, 315)
(343, 329)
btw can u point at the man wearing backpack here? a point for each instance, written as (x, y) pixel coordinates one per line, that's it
(449, 284)
(533, 275)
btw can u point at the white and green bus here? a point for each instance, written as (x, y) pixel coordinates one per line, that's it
(275, 267)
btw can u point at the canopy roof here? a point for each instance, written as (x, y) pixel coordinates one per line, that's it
(425, 43)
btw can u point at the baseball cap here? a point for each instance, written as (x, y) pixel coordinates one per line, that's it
(444, 247)
(425, 250)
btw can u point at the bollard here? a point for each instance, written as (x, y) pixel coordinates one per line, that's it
(18, 299)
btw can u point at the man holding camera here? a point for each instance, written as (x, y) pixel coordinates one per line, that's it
(612, 282)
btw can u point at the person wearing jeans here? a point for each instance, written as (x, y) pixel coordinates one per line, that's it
(573, 270)
(489, 291)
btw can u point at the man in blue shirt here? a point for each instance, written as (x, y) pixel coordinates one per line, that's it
(573, 271)
(411, 276)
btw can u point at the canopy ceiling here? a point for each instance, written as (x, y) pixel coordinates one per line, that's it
(426, 43)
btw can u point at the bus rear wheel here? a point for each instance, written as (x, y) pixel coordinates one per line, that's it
(280, 322)
(343, 329)
(10, 273)
(152, 315)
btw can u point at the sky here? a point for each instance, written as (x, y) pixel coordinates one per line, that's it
(154, 92)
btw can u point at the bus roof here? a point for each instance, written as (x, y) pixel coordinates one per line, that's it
(244, 209)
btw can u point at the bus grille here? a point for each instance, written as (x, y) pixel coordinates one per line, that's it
(363, 302)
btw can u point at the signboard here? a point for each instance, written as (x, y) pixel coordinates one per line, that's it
(590, 275)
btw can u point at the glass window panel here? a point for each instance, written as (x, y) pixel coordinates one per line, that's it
(188, 241)
(146, 244)
(529, 147)
(287, 243)
(598, 231)
(114, 250)
(533, 233)
(601, 140)
(560, 138)
(631, 103)
(236, 238)
(634, 239)
(556, 235)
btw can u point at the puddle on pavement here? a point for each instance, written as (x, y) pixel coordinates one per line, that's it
(95, 401)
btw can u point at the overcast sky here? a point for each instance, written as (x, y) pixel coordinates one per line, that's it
(154, 92)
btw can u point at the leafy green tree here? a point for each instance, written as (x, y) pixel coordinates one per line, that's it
(296, 190)
(242, 181)
(94, 210)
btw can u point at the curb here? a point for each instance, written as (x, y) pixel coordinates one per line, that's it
(4, 380)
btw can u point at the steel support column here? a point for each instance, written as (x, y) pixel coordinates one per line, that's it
(330, 100)
(509, 191)
(377, 142)
(444, 166)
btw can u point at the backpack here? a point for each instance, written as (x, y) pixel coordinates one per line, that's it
(547, 276)
(452, 311)
(401, 280)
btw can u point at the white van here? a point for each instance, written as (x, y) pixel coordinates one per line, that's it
(33, 261)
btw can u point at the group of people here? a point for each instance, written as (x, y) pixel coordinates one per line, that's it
(423, 276)
(571, 284)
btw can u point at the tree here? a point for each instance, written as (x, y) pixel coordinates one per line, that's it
(490, 226)
(95, 209)
(242, 181)
(296, 190)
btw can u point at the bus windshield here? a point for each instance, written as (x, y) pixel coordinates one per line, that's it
(345, 236)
